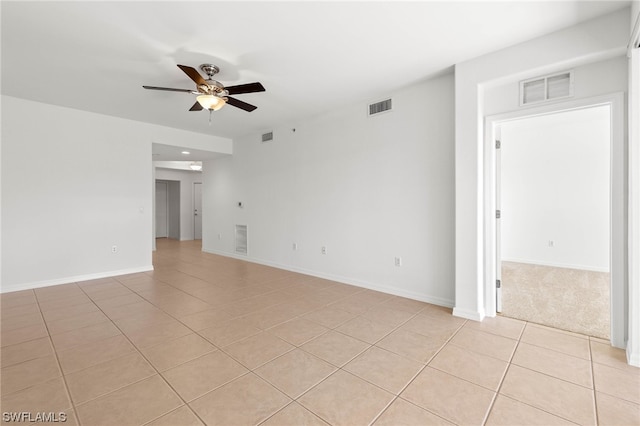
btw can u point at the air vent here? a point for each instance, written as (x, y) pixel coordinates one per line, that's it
(241, 239)
(267, 137)
(380, 107)
(546, 88)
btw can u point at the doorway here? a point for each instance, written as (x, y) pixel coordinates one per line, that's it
(553, 232)
(197, 210)
(162, 209)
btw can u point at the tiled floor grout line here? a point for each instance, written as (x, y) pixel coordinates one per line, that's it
(55, 353)
(593, 384)
(137, 381)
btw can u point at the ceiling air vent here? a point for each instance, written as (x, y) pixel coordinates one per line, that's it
(267, 137)
(380, 107)
(546, 88)
(241, 239)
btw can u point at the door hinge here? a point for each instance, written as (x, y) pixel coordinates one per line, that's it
(497, 143)
(497, 214)
(498, 284)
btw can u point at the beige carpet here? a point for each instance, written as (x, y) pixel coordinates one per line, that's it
(569, 299)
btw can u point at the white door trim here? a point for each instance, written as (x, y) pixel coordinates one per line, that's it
(619, 195)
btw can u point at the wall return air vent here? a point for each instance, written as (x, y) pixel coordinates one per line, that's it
(241, 239)
(380, 107)
(546, 88)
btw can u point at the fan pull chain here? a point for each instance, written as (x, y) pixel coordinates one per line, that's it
(210, 111)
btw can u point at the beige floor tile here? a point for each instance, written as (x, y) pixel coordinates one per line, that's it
(183, 306)
(63, 302)
(557, 340)
(438, 328)
(20, 321)
(385, 369)
(205, 319)
(256, 350)
(480, 369)
(70, 311)
(17, 298)
(295, 372)
(58, 292)
(183, 416)
(344, 399)
(158, 333)
(21, 352)
(454, 399)
(403, 413)
(31, 308)
(247, 400)
(298, 331)
(411, 345)
(75, 322)
(93, 353)
(354, 304)
(97, 286)
(107, 293)
(82, 336)
(136, 309)
(502, 326)
(272, 316)
(329, 317)
(604, 353)
(616, 412)
(135, 404)
(201, 375)
(125, 299)
(229, 332)
(24, 334)
(294, 415)
(146, 317)
(387, 315)
(623, 384)
(509, 412)
(50, 396)
(29, 373)
(92, 382)
(336, 348)
(485, 343)
(403, 304)
(178, 351)
(364, 329)
(556, 364)
(558, 397)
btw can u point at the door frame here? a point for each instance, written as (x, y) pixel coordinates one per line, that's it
(618, 203)
(194, 209)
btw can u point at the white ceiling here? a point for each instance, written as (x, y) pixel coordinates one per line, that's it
(310, 56)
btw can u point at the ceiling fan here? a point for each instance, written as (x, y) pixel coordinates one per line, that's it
(211, 94)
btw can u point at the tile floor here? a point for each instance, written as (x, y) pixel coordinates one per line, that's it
(206, 339)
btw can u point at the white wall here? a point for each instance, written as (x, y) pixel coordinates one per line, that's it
(369, 189)
(554, 184)
(591, 41)
(75, 183)
(186, 180)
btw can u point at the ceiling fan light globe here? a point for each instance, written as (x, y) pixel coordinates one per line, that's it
(211, 102)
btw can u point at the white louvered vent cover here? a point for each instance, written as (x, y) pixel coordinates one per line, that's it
(546, 88)
(241, 239)
(379, 107)
(267, 137)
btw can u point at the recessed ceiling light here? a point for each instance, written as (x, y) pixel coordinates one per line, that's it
(186, 152)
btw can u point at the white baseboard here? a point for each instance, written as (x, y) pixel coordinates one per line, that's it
(465, 313)
(345, 280)
(73, 279)
(633, 358)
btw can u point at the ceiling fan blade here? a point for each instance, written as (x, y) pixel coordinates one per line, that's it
(245, 88)
(193, 74)
(168, 89)
(240, 104)
(196, 107)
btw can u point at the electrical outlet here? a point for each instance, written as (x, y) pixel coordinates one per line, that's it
(114, 249)
(295, 246)
(323, 250)
(552, 243)
(398, 261)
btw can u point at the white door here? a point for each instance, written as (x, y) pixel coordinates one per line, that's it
(197, 211)
(162, 210)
